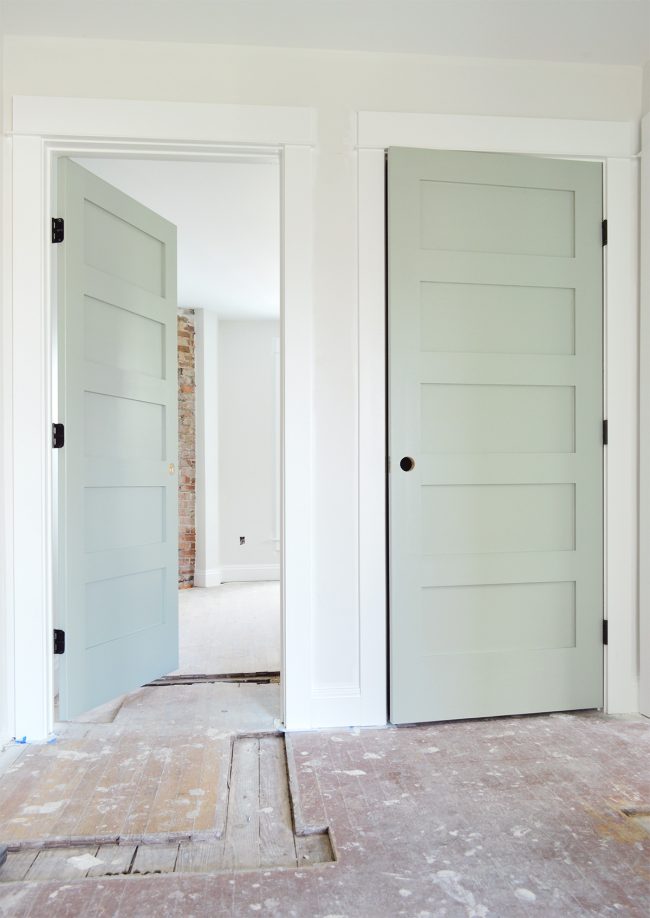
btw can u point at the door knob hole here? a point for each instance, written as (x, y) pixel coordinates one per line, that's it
(406, 464)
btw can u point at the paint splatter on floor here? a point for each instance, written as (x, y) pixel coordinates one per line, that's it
(139, 774)
(508, 818)
(256, 834)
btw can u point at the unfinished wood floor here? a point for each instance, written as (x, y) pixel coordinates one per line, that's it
(507, 818)
(258, 833)
(160, 765)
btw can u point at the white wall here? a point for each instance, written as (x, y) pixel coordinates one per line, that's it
(337, 84)
(248, 440)
(5, 367)
(223, 212)
(334, 81)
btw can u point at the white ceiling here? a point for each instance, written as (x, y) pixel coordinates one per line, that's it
(598, 31)
(228, 218)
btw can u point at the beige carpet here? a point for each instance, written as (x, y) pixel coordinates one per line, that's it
(231, 628)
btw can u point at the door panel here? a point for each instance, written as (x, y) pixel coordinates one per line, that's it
(118, 532)
(495, 390)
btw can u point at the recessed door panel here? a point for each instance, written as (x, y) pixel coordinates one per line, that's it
(474, 418)
(496, 319)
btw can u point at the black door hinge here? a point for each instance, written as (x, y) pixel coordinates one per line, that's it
(604, 232)
(605, 632)
(58, 229)
(605, 433)
(58, 436)
(59, 641)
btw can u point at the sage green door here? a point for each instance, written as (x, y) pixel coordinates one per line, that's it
(117, 596)
(495, 393)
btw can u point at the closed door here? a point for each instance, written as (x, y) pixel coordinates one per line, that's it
(117, 597)
(495, 418)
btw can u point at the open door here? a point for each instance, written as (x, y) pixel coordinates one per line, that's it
(496, 411)
(117, 597)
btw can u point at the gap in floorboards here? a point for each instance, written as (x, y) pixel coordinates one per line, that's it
(263, 678)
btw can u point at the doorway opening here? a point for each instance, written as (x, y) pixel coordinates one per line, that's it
(227, 344)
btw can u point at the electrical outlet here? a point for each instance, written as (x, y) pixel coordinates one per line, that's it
(242, 540)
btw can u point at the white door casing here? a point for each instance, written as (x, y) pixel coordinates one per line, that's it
(616, 145)
(44, 130)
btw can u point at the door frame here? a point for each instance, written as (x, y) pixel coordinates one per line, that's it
(616, 146)
(43, 130)
(644, 425)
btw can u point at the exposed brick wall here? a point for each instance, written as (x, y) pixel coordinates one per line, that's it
(186, 450)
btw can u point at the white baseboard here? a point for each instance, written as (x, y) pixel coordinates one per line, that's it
(234, 573)
(208, 578)
(245, 572)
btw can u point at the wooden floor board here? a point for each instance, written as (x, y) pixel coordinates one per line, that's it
(277, 845)
(201, 857)
(155, 859)
(242, 848)
(115, 859)
(258, 824)
(60, 863)
(17, 865)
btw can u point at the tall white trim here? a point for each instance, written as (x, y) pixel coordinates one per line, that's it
(373, 609)
(616, 145)
(30, 450)
(644, 429)
(297, 442)
(622, 453)
(43, 130)
(6, 477)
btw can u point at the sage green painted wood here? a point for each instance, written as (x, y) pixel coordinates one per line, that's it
(495, 389)
(118, 532)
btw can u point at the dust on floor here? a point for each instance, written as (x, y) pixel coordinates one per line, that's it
(160, 765)
(258, 832)
(510, 817)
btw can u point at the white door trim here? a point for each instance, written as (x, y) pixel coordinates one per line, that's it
(164, 122)
(616, 144)
(42, 130)
(644, 428)
(495, 134)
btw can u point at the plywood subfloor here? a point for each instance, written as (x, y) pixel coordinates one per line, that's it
(231, 628)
